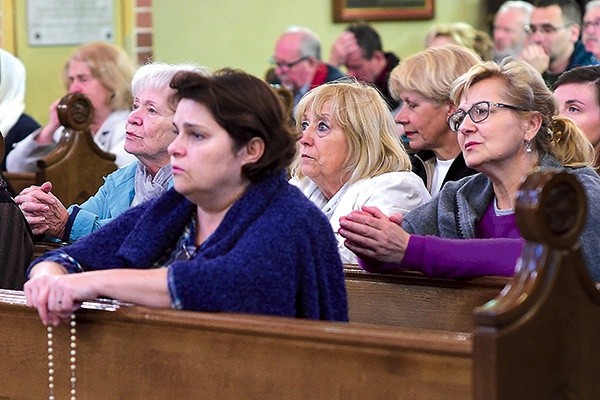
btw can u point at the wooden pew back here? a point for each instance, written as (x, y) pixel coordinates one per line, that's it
(77, 165)
(142, 353)
(412, 300)
(539, 339)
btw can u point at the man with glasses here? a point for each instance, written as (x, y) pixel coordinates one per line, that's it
(554, 45)
(590, 35)
(297, 62)
(511, 24)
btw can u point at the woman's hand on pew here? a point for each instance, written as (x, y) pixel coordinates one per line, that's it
(44, 212)
(44, 293)
(369, 232)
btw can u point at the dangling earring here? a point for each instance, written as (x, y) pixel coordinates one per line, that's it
(528, 146)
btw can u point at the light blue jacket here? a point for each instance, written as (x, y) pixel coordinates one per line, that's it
(112, 199)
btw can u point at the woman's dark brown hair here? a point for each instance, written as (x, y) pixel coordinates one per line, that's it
(246, 107)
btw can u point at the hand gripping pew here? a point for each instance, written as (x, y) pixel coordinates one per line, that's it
(534, 341)
(77, 166)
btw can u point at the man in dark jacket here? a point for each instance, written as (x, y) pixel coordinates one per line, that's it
(360, 51)
(554, 46)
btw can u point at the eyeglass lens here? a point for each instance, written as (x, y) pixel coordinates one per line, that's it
(478, 112)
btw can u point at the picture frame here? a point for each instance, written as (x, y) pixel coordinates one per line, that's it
(382, 10)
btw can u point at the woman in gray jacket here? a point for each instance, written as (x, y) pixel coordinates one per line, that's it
(507, 126)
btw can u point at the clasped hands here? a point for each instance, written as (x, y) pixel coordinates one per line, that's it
(370, 233)
(44, 212)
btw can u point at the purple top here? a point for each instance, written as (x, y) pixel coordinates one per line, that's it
(493, 252)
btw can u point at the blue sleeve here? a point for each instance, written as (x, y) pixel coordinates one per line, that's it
(59, 257)
(111, 200)
(99, 249)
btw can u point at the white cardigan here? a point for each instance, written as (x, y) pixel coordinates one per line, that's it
(392, 192)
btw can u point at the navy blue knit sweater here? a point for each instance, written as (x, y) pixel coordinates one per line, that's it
(274, 253)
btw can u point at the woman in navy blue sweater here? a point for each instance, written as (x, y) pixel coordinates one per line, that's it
(232, 235)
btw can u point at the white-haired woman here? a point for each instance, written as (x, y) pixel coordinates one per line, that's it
(149, 131)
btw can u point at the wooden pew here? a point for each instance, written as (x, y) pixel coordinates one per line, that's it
(539, 339)
(77, 166)
(536, 340)
(141, 353)
(413, 300)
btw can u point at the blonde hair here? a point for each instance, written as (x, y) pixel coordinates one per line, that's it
(362, 114)
(464, 35)
(431, 72)
(524, 88)
(111, 66)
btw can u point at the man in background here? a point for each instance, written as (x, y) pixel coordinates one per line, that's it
(511, 24)
(553, 40)
(297, 61)
(360, 51)
(590, 35)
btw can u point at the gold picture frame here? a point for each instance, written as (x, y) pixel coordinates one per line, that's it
(382, 10)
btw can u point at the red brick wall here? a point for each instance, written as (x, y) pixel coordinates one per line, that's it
(143, 30)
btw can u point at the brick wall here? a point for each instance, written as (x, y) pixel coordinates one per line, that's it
(142, 27)
(143, 30)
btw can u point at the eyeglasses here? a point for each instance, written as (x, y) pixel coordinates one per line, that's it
(478, 113)
(591, 24)
(280, 64)
(545, 29)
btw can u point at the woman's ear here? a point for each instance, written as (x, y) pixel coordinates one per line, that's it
(450, 108)
(253, 150)
(532, 125)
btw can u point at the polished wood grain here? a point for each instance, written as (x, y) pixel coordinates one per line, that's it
(77, 166)
(142, 353)
(410, 299)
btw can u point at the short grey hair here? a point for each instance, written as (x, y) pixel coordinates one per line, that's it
(158, 75)
(592, 4)
(310, 44)
(524, 6)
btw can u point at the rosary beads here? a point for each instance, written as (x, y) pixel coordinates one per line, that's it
(72, 359)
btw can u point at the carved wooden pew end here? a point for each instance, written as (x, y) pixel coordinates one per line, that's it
(77, 166)
(535, 339)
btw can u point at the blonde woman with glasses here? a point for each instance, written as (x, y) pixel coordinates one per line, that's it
(507, 125)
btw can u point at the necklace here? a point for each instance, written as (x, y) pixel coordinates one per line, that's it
(72, 358)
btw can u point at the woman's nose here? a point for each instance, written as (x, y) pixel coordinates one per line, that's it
(134, 118)
(401, 116)
(307, 137)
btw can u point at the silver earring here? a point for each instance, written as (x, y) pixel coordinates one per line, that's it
(528, 146)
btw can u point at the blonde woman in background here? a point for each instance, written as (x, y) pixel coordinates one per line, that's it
(422, 81)
(350, 155)
(462, 34)
(102, 72)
